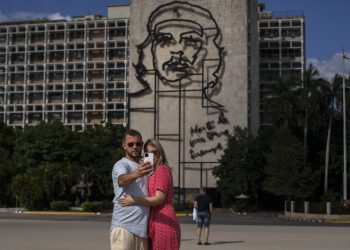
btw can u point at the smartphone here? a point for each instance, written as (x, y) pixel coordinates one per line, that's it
(148, 157)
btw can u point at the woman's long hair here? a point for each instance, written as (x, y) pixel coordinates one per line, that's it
(160, 151)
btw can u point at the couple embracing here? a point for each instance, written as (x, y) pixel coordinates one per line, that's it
(143, 215)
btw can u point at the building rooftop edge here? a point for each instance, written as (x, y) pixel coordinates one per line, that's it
(118, 4)
(31, 21)
(39, 21)
(281, 14)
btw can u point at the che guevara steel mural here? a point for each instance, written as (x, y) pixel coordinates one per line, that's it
(180, 46)
(182, 54)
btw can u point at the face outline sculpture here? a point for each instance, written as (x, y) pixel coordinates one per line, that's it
(175, 49)
(182, 43)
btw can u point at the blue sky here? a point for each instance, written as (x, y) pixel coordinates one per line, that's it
(327, 22)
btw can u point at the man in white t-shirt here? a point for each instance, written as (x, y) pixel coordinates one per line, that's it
(129, 223)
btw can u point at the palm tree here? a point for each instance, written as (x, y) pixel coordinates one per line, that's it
(309, 88)
(333, 101)
(283, 100)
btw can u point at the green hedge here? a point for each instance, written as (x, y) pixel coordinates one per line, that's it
(97, 206)
(183, 207)
(60, 205)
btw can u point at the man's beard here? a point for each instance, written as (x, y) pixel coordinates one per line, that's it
(134, 155)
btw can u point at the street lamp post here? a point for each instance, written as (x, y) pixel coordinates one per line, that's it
(345, 185)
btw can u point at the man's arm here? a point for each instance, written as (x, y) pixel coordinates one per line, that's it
(155, 200)
(126, 179)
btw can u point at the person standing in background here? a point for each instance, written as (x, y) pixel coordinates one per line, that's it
(204, 205)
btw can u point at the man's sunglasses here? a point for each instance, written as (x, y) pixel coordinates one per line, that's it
(131, 144)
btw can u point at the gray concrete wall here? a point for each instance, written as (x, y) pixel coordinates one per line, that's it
(254, 99)
(171, 116)
(118, 11)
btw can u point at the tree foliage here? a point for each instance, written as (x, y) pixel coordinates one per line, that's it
(99, 151)
(48, 162)
(300, 155)
(239, 171)
(7, 137)
(286, 174)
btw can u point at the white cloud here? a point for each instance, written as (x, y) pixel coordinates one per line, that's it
(21, 15)
(328, 68)
(58, 16)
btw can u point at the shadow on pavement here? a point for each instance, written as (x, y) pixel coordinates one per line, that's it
(225, 242)
(218, 242)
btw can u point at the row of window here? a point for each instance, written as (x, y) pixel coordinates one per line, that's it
(63, 26)
(52, 57)
(59, 69)
(92, 115)
(115, 86)
(66, 108)
(70, 36)
(62, 47)
(276, 65)
(273, 33)
(280, 23)
(275, 75)
(280, 54)
(90, 75)
(39, 69)
(282, 44)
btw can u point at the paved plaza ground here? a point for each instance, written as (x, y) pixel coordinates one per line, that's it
(249, 232)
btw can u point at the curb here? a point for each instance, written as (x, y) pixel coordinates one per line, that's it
(337, 221)
(60, 213)
(182, 214)
(306, 220)
(76, 213)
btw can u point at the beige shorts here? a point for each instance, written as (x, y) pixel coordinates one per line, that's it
(122, 239)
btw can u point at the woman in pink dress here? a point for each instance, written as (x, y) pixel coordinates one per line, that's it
(163, 228)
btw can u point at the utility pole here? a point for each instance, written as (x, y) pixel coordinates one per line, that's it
(345, 175)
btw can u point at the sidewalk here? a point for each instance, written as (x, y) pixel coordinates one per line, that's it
(253, 237)
(234, 232)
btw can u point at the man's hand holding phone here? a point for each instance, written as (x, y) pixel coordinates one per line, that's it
(144, 168)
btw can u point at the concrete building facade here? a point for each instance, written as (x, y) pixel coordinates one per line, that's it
(75, 71)
(282, 53)
(183, 72)
(194, 76)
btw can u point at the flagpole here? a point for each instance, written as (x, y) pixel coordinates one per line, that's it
(345, 191)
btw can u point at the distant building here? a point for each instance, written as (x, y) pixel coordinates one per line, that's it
(194, 74)
(75, 71)
(282, 52)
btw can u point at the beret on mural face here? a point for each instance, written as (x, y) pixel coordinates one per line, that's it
(181, 11)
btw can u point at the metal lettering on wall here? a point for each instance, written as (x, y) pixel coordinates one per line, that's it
(205, 133)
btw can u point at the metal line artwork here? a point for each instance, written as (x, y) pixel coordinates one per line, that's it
(182, 53)
(184, 60)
